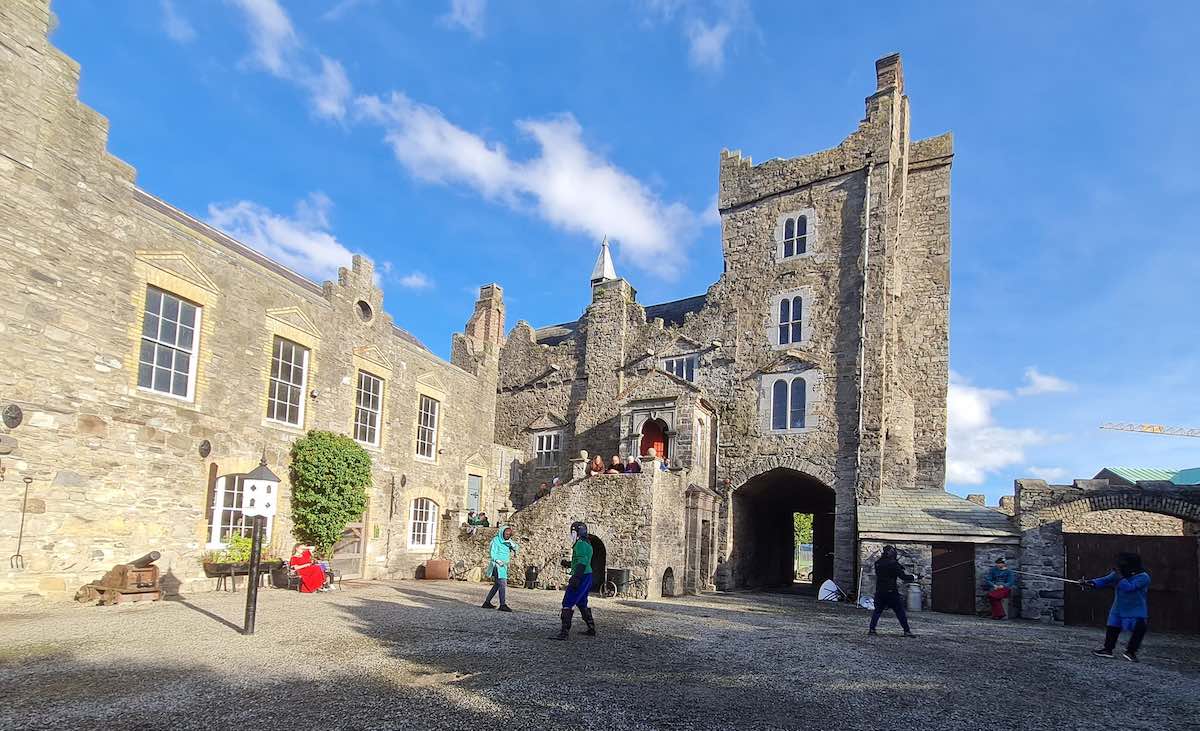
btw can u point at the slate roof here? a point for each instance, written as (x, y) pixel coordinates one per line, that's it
(672, 313)
(932, 512)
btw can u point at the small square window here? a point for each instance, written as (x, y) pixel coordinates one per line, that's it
(683, 366)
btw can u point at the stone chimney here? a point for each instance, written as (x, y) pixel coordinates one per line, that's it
(978, 499)
(487, 321)
(889, 72)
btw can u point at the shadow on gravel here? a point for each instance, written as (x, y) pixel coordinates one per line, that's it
(179, 599)
(65, 690)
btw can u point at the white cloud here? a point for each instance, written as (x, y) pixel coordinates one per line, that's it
(1049, 474)
(301, 242)
(466, 14)
(706, 43)
(975, 445)
(279, 51)
(341, 8)
(712, 213)
(415, 280)
(1037, 382)
(566, 183)
(176, 26)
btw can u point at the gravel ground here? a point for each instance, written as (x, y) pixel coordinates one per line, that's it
(424, 655)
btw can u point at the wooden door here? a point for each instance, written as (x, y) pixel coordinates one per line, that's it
(349, 551)
(653, 435)
(953, 578)
(1171, 561)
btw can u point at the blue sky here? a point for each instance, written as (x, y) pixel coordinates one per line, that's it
(460, 142)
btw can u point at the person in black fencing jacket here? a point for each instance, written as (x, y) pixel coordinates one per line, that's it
(887, 595)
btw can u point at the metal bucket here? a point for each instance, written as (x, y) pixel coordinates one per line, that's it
(914, 597)
(619, 577)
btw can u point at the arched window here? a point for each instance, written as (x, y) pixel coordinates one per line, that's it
(423, 520)
(789, 401)
(795, 236)
(790, 320)
(796, 420)
(779, 405)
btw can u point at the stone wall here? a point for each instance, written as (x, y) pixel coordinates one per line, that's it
(1124, 522)
(637, 517)
(985, 559)
(117, 469)
(916, 558)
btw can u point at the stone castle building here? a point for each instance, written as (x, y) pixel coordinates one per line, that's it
(153, 359)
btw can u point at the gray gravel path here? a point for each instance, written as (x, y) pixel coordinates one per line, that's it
(423, 655)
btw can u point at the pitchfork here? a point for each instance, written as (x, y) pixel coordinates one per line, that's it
(17, 561)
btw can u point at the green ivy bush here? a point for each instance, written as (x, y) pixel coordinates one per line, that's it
(330, 474)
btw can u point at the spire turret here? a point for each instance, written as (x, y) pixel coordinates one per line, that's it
(604, 271)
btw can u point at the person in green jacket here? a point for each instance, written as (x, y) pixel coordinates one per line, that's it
(580, 565)
(502, 549)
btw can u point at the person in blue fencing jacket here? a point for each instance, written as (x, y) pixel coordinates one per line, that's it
(576, 595)
(502, 549)
(1129, 610)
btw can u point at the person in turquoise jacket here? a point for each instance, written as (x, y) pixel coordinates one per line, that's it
(502, 549)
(1129, 610)
(580, 566)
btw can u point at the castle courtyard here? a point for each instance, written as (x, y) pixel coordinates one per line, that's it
(417, 654)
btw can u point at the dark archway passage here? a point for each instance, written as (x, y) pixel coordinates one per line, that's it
(599, 562)
(764, 533)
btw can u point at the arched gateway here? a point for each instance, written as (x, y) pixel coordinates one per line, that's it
(763, 541)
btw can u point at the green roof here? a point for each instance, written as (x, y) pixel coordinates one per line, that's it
(1147, 474)
(1187, 477)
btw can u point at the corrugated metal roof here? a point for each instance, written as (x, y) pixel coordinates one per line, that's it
(1189, 476)
(932, 511)
(1136, 474)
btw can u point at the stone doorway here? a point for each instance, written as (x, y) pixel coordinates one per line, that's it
(654, 434)
(764, 545)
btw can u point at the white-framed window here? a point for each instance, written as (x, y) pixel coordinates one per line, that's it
(791, 320)
(289, 374)
(794, 234)
(427, 427)
(788, 403)
(682, 366)
(368, 407)
(422, 520)
(790, 323)
(474, 491)
(548, 448)
(225, 517)
(170, 335)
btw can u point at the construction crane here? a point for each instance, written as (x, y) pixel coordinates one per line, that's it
(1170, 431)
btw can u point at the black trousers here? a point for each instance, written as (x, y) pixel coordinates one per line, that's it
(1111, 634)
(893, 601)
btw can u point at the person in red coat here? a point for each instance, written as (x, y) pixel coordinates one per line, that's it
(312, 576)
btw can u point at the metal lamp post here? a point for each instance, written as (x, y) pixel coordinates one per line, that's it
(260, 489)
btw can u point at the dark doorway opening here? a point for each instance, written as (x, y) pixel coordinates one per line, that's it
(953, 578)
(668, 582)
(599, 562)
(654, 434)
(764, 540)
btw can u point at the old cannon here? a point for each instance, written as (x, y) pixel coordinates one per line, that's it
(136, 581)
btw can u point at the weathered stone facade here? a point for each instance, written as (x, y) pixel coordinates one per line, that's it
(834, 299)
(117, 468)
(871, 277)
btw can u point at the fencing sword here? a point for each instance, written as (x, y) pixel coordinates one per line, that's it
(1047, 576)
